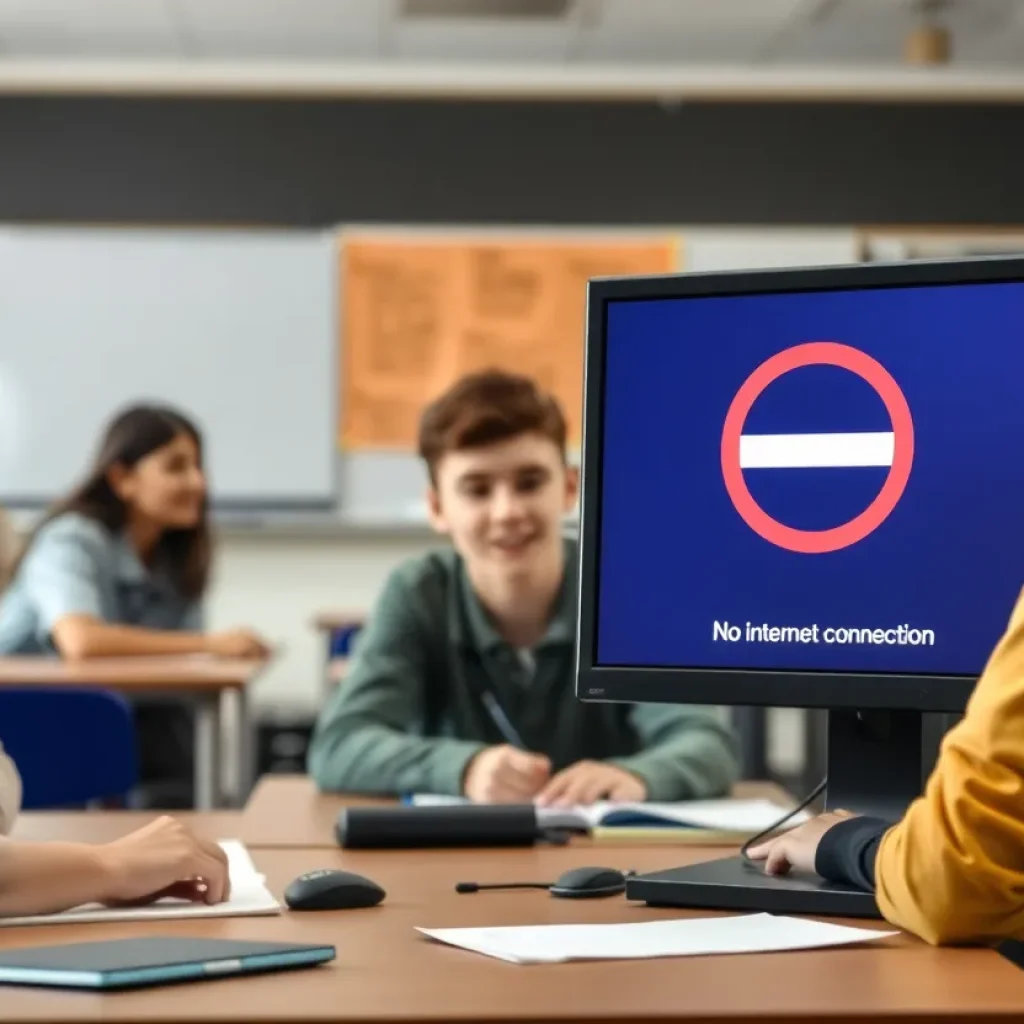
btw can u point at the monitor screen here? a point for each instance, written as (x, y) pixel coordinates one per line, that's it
(816, 481)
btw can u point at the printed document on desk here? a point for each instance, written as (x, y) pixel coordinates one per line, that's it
(249, 897)
(742, 817)
(648, 940)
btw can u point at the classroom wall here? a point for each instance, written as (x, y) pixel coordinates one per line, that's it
(276, 583)
(292, 161)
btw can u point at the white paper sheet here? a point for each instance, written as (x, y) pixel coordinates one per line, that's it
(751, 933)
(740, 816)
(249, 897)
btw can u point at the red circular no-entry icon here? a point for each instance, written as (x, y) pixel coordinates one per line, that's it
(817, 353)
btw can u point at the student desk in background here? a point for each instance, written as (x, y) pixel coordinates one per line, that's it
(204, 682)
(288, 810)
(386, 972)
(337, 629)
(106, 826)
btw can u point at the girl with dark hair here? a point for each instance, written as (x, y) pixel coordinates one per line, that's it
(120, 565)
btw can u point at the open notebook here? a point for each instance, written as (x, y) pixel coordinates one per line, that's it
(739, 817)
(249, 896)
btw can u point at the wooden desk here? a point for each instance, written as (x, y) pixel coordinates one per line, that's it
(204, 682)
(103, 827)
(289, 811)
(386, 972)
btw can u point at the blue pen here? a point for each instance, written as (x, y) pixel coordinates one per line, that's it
(501, 720)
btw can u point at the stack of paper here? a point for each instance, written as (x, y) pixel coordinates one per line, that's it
(739, 817)
(249, 897)
(753, 933)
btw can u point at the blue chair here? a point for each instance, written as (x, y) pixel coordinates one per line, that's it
(343, 638)
(72, 746)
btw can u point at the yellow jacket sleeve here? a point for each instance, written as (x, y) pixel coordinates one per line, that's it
(952, 871)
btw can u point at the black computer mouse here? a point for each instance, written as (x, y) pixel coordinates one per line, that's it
(587, 883)
(328, 889)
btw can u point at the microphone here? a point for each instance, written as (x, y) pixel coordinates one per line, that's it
(477, 887)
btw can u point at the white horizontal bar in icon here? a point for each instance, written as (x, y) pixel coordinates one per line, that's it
(809, 451)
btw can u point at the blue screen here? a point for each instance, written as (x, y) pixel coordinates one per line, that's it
(686, 580)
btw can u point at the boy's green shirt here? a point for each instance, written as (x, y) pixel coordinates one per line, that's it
(409, 715)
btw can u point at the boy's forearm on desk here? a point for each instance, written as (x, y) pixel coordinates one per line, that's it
(376, 759)
(693, 761)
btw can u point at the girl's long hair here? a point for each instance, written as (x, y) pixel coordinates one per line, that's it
(184, 555)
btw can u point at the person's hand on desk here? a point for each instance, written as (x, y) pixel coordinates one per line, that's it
(505, 775)
(588, 781)
(163, 859)
(798, 848)
(237, 643)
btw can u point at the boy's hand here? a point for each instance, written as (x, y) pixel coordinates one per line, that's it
(587, 781)
(798, 848)
(505, 775)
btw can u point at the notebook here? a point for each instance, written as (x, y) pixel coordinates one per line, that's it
(739, 818)
(249, 896)
(157, 960)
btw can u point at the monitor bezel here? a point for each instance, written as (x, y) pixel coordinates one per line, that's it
(755, 687)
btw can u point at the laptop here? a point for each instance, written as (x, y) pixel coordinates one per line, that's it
(158, 960)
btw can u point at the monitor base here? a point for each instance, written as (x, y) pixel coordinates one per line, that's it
(877, 761)
(734, 884)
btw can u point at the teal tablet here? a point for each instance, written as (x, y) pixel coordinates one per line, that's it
(158, 960)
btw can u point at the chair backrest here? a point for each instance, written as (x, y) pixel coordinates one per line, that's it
(71, 745)
(343, 639)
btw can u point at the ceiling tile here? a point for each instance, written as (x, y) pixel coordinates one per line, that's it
(481, 38)
(87, 28)
(691, 30)
(285, 28)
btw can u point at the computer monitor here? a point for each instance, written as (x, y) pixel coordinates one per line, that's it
(803, 488)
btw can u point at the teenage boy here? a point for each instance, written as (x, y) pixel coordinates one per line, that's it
(463, 680)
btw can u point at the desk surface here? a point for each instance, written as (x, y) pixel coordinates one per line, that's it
(329, 621)
(288, 811)
(180, 672)
(102, 827)
(385, 972)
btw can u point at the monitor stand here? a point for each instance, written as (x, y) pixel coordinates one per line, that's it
(877, 762)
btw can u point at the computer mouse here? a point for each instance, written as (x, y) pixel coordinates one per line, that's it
(587, 883)
(329, 889)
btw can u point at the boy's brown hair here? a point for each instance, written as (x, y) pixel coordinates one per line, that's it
(484, 408)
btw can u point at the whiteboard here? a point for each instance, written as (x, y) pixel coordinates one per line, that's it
(237, 328)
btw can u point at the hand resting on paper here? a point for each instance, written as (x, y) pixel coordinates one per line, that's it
(588, 781)
(505, 774)
(162, 859)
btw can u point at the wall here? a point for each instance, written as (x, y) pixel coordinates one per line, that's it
(316, 163)
(276, 584)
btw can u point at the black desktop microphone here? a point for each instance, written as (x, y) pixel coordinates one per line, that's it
(576, 883)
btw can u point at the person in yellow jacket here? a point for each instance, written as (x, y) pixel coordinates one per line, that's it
(952, 870)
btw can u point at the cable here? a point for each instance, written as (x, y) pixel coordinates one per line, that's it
(776, 825)
(477, 887)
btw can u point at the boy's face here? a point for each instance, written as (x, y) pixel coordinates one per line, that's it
(502, 505)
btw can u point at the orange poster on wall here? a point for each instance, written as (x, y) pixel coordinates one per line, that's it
(417, 314)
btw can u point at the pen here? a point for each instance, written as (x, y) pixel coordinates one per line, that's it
(501, 720)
